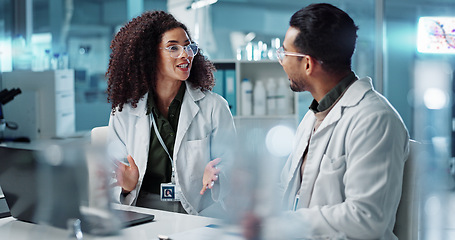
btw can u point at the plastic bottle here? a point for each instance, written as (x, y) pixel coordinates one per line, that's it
(63, 61)
(284, 102)
(289, 96)
(271, 97)
(247, 97)
(54, 61)
(47, 59)
(259, 99)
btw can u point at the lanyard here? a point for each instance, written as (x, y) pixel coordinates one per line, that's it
(163, 145)
(296, 201)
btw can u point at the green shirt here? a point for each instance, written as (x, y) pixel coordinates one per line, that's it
(331, 97)
(159, 168)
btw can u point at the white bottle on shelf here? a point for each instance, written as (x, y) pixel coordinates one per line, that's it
(63, 61)
(54, 61)
(47, 59)
(271, 97)
(290, 97)
(246, 97)
(260, 98)
(284, 102)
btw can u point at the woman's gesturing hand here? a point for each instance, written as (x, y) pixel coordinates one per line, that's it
(127, 176)
(210, 175)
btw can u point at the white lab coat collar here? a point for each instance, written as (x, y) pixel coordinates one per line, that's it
(356, 92)
(195, 93)
(351, 97)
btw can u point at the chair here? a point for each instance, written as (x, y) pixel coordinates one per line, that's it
(99, 135)
(407, 221)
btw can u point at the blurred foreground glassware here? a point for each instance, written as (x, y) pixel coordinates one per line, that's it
(75, 191)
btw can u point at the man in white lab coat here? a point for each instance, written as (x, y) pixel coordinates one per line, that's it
(344, 176)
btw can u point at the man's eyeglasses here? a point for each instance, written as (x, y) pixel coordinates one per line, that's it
(281, 54)
(176, 51)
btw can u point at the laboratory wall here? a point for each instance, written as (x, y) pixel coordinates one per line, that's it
(93, 24)
(400, 59)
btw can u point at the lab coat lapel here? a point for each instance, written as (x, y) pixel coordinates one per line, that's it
(317, 148)
(188, 111)
(142, 138)
(302, 142)
(331, 119)
(302, 136)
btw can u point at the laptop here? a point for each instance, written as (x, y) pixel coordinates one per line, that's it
(40, 190)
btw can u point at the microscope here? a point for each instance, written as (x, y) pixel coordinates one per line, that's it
(5, 97)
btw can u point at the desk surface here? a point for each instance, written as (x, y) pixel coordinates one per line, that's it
(165, 223)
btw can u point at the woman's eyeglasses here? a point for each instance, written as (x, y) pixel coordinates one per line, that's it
(176, 51)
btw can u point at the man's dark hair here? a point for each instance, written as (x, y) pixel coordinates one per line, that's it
(327, 33)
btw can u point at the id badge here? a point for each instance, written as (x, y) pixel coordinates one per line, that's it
(168, 192)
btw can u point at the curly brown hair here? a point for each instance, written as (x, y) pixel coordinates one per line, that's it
(134, 59)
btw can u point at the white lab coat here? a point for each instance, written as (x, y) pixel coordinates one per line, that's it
(353, 173)
(205, 130)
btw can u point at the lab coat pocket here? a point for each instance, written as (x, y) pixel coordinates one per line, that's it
(336, 164)
(334, 167)
(330, 179)
(197, 155)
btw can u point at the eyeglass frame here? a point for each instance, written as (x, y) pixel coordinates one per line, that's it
(184, 48)
(281, 52)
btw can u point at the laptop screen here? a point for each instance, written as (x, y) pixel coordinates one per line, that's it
(38, 192)
(52, 186)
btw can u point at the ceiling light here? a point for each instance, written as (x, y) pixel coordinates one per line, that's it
(202, 3)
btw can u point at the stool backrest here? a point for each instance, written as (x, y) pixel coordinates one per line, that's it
(406, 225)
(99, 135)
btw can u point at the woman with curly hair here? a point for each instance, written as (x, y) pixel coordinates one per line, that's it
(167, 130)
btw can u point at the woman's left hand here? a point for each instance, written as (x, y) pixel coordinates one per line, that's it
(210, 175)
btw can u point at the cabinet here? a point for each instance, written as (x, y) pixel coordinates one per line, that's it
(267, 134)
(264, 70)
(45, 108)
(271, 134)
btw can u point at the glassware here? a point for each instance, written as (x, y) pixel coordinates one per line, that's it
(274, 45)
(76, 193)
